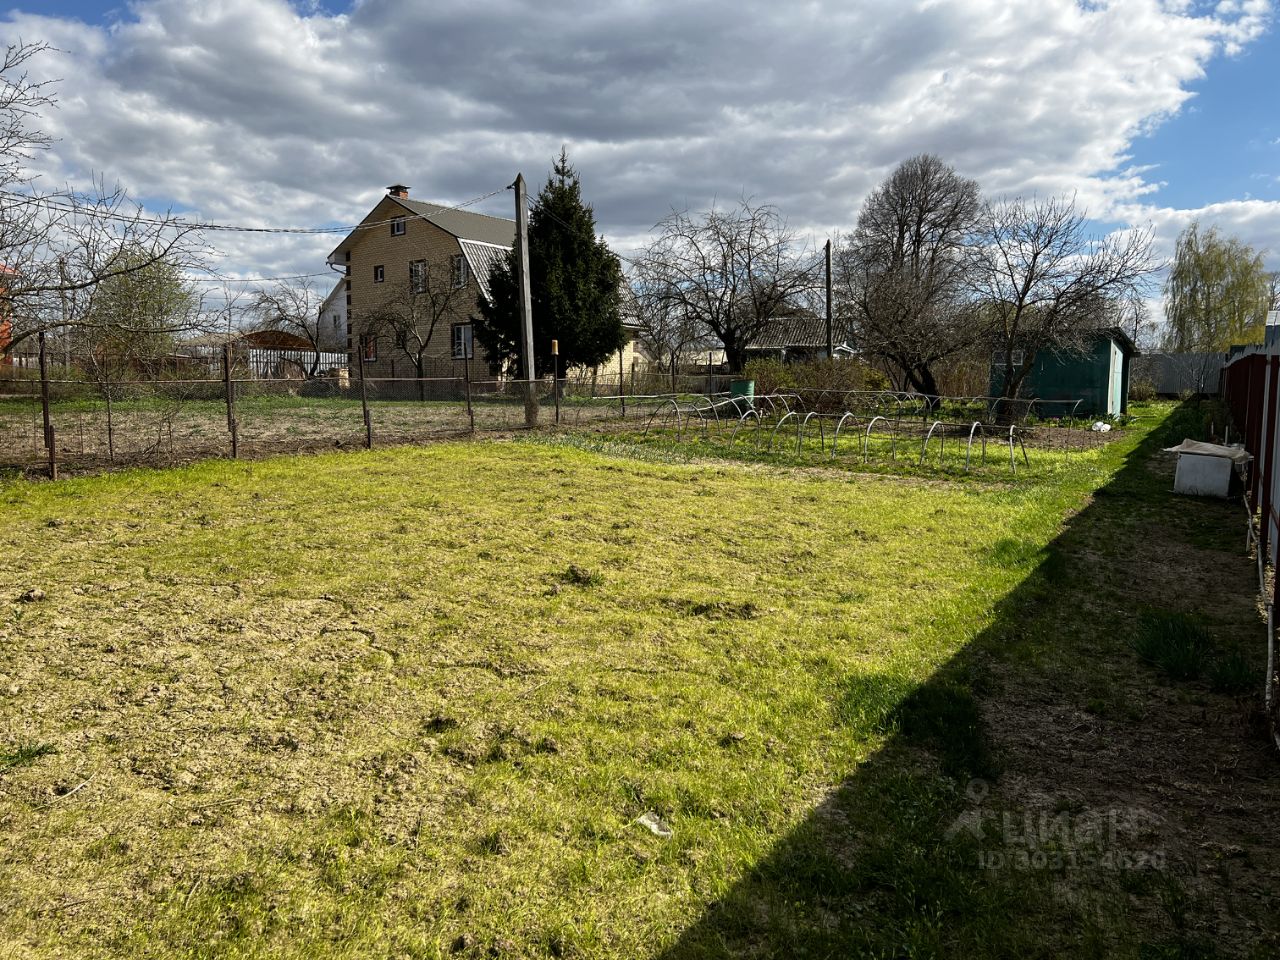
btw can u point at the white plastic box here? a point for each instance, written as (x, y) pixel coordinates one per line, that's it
(1203, 476)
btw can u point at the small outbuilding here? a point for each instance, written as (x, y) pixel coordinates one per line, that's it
(1098, 375)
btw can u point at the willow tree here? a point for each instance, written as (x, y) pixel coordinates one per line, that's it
(1217, 293)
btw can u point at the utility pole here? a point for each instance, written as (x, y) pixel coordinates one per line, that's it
(831, 346)
(526, 304)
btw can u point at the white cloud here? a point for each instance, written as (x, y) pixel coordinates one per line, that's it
(259, 112)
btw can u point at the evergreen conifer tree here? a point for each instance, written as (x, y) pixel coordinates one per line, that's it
(575, 283)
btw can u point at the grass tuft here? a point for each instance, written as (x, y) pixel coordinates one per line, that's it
(1174, 642)
(1233, 674)
(944, 717)
(582, 577)
(24, 754)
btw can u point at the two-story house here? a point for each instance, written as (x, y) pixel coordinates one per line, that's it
(412, 272)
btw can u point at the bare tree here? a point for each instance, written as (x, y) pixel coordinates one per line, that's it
(1043, 283)
(411, 315)
(664, 328)
(59, 245)
(901, 275)
(293, 308)
(730, 272)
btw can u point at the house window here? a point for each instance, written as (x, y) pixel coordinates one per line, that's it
(997, 359)
(369, 348)
(459, 270)
(463, 348)
(379, 273)
(402, 339)
(397, 226)
(418, 276)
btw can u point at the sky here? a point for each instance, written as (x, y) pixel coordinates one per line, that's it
(268, 113)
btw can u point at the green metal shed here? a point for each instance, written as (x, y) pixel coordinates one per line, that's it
(1098, 376)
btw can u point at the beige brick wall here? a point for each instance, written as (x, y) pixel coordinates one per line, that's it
(422, 240)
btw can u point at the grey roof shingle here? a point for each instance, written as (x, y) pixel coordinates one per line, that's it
(464, 224)
(795, 331)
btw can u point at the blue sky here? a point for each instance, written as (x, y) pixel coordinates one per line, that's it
(1226, 142)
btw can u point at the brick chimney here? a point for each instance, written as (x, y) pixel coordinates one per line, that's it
(399, 191)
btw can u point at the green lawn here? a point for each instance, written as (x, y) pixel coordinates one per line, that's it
(416, 702)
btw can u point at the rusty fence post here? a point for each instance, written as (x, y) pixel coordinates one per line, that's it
(364, 402)
(49, 438)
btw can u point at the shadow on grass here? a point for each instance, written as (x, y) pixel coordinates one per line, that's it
(894, 863)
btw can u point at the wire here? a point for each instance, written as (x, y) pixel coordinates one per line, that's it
(218, 278)
(229, 228)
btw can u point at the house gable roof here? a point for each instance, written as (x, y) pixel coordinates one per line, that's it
(464, 224)
(798, 330)
(484, 240)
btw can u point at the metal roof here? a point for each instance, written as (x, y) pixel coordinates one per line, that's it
(464, 224)
(483, 258)
(796, 331)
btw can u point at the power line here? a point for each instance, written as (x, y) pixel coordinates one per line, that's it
(218, 278)
(64, 207)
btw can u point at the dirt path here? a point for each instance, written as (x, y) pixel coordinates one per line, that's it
(1178, 775)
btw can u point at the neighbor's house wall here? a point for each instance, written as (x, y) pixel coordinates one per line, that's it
(331, 327)
(422, 240)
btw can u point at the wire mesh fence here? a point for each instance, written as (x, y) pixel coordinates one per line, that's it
(81, 416)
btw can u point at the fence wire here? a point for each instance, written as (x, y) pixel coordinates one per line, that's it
(98, 418)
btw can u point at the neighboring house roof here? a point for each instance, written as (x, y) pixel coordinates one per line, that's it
(464, 224)
(785, 333)
(483, 258)
(483, 239)
(259, 339)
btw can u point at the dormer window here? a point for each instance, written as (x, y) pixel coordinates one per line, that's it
(397, 226)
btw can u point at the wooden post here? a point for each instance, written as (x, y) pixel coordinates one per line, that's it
(526, 304)
(709, 390)
(831, 346)
(364, 400)
(230, 392)
(106, 391)
(50, 443)
(622, 387)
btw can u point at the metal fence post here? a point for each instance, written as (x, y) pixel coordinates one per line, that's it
(364, 402)
(555, 375)
(230, 392)
(49, 439)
